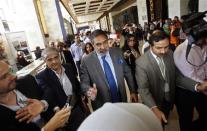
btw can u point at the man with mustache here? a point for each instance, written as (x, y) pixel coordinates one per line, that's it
(155, 75)
(103, 72)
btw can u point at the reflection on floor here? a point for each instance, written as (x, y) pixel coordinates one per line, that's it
(173, 123)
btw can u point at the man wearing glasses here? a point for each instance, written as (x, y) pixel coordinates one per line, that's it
(103, 73)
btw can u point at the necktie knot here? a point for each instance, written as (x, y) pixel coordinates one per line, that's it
(103, 57)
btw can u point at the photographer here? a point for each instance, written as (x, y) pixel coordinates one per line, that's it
(131, 53)
(190, 59)
(132, 29)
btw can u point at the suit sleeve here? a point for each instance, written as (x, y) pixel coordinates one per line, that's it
(185, 82)
(143, 83)
(48, 95)
(84, 77)
(129, 78)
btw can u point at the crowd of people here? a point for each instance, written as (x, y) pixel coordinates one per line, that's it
(94, 68)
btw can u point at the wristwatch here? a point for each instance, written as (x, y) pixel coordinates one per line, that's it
(44, 102)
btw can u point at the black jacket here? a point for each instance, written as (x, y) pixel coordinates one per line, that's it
(54, 94)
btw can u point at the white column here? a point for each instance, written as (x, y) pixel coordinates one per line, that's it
(111, 22)
(184, 7)
(202, 5)
(174, 8)
(24, 18)
(51, 18)
(142, 11)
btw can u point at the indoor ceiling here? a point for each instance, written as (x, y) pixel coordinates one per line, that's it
(88, 10)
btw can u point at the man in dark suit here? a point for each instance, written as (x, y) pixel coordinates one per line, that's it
(103, 72)
(155, 75)
(19, 113)
(58, 83)
(66, 56)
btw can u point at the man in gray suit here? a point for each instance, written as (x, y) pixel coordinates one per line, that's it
(103, 72)
(155, 75)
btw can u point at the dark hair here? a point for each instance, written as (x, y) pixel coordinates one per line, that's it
(157, 36)
(130, 36)
(195, 25)
(88, 43)
(37, 47)
(96, 33)
(126, 46)
(88, 33)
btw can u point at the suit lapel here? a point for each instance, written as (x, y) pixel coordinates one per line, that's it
(154, 65)
(97, 65)
(70, 77)
(53, 78)
(117, 67)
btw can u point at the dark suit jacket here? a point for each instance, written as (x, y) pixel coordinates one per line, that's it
(52, 89)
(28, 86)
(150, 80)
(92, 72)
(9, 123)
(69, 59)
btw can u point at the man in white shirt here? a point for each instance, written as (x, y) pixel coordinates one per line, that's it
(76, 50)
(190, 97)
(59, 83)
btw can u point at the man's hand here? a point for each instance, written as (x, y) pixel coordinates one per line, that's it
(34, 108)
(58, 120)
(160, 115)
(127, 54)
(92, 92)
(202, 86)
(133, 97)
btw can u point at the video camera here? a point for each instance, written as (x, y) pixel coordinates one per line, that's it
(195, 26)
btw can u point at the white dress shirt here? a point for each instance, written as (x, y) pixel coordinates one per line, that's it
(196, 56)
(109, 60)
(65, 82)
(77, 51)
(160, 62)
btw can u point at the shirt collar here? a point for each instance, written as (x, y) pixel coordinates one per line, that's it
(155, 56)
(100, 54)
(63, 70)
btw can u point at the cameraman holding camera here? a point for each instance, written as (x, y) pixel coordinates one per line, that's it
(191, 60)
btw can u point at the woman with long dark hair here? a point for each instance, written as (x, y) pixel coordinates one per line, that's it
(131, 52)
(88, 48)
